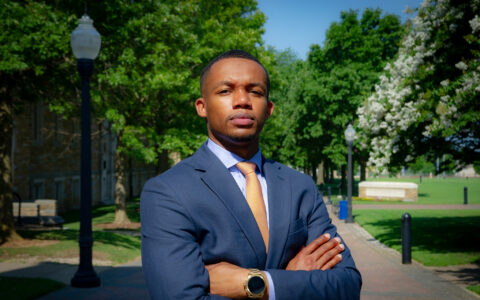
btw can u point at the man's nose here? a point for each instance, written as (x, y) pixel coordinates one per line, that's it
(241, 99)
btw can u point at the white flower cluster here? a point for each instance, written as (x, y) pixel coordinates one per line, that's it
(475, 24)
(391, 109)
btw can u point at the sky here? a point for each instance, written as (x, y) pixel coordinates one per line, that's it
(297, 24)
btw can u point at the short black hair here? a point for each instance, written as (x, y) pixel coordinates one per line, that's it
(234, 54)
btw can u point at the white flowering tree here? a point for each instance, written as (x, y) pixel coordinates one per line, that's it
(428, 100)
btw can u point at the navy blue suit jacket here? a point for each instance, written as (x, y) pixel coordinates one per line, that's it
(194, 214)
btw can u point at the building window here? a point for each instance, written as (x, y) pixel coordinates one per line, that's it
(38, 190)
(59, 190)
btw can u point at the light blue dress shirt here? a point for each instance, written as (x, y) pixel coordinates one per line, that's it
(230, 161)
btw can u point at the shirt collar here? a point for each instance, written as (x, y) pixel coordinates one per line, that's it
(230, 159)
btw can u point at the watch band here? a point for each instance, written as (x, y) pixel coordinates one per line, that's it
(257, 279)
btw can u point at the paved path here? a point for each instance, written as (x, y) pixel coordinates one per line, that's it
(384, 277)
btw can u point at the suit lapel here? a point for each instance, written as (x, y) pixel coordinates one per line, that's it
(279, 201)
(220, 181)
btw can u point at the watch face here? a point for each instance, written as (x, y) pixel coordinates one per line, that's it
(256, 284)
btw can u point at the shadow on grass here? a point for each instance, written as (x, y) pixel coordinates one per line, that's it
(26, 288)
(106, 213)
(439, 235)
(422, 195)
(104, 237)
(463, 275)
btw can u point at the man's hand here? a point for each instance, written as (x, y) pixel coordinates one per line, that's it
(321, 254)
(227, 280)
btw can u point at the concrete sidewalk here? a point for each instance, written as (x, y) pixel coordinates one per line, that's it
(384, 277)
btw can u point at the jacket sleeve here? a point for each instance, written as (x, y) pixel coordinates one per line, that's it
(171, 260)
(341, 282)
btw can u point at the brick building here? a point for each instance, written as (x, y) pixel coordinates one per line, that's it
(46, 159)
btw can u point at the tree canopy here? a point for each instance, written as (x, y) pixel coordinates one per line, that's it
(146, 76)
(427, 100)
(318, 98)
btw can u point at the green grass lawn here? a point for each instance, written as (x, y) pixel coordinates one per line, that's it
(103, 214)
(430, 191)
(474, 288)
(442, 191)
(26, 288)
(439, 237)
(108, 246)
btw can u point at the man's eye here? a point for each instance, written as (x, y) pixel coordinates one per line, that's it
(259, 93)
(223, 91)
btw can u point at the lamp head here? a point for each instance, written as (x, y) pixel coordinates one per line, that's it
(85, 39)
(350, 133)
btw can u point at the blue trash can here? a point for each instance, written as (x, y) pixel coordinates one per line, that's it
(342, 212)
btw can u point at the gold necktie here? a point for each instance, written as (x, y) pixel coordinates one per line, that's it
(255, 198)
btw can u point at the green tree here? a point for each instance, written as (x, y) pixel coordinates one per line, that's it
(34, 65)
(150, 81)
(344, 71)
(146, 77)
(421, 166)
(280, 136)
(427, 100)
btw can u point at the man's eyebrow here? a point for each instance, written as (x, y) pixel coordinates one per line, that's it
(230, 83)
(223, 82)
(259, 84)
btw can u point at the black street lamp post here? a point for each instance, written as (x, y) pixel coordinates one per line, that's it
(349, 136)
(85, 41)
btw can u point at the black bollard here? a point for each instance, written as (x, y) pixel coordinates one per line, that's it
(329, 191)
(420, 178)
(406, 238)
(465, 196)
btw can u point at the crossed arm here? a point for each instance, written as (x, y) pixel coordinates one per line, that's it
(322, 254)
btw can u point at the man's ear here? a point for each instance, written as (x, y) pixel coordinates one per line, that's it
(270, 107)
(201, 107)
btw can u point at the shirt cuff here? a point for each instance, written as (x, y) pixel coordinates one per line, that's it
(271, 287)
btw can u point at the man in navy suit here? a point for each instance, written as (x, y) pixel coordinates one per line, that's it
(200, 237)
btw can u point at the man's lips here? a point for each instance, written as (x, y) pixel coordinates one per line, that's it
(242, 119)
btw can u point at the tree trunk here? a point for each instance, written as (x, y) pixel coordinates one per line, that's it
(327, 172)
(320, 178)
(363, 171)
(162, 164)
(331, 174)
(7, 227)
(314, 172)
(121, 217)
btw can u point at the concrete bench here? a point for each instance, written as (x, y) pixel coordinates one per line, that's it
(47, 207)
(41, 211)
(406, 191)
(28, 209)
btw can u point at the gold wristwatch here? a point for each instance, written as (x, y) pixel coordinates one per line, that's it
(255, 285)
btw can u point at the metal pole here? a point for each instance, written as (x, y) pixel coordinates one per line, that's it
(85, 276)
(406, 238)
(420, 178)
(349, 218)
(465, 196)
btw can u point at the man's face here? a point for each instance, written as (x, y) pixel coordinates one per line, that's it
(234, 101)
